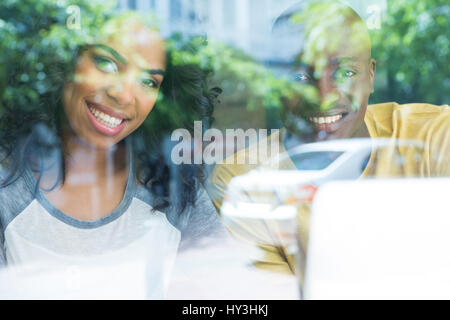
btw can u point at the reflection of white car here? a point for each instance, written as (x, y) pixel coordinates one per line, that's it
(253, 195)
(330, 160)
(315, 164)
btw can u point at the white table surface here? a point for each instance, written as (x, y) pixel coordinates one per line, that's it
(221, 269)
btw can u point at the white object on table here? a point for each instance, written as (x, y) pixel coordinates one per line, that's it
(380, 239)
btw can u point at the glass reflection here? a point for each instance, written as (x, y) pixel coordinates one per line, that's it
(86, 181)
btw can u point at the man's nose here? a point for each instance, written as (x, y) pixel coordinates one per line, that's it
(122, 92)
(327, 90)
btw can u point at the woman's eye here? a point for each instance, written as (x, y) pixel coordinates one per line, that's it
(149, 83)
(106, 65)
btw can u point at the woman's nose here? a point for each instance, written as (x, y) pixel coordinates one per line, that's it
(122, 93)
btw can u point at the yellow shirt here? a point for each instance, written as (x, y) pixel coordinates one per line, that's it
(425, 123)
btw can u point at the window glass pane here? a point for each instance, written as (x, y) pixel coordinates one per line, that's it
(314, 160)
(175, 9)
(229, 12)
(132, 4)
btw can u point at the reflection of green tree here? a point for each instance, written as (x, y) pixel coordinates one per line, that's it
(244, 81)
(249, 87)
(37, 49)
(412, 50)
(38, 52)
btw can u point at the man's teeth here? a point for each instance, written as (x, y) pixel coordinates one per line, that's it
(105, 118)
(323, 120)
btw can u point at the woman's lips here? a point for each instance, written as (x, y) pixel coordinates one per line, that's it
(106, 110)
(104, 120)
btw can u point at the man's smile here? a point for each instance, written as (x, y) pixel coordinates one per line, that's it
(328, 121)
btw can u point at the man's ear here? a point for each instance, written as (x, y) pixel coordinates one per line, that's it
(372, 70)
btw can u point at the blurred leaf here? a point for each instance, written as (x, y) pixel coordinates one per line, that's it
(412, 51)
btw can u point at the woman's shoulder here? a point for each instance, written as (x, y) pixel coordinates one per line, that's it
(15, 195)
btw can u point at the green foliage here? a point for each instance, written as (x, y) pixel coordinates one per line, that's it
(412, 51)
(39, 51)
(411, 48)
(244, 81)
(36, 45)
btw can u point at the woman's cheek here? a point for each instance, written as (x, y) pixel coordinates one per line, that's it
(150, 103)
(146, 106)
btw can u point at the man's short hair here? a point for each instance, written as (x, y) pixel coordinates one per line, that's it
(295, 21)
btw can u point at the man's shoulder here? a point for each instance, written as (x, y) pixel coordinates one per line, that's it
(388, 108)
(406, 120)
(239, 164)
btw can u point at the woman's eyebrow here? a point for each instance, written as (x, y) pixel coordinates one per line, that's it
(122, 60)
(155, 71)
(111, 51)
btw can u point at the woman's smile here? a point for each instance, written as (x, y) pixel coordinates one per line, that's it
(105, 120)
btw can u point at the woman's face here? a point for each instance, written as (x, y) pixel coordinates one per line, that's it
(115, 86)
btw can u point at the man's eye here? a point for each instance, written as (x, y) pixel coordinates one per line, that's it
(106, 65)
(348, 73)
(149, 83)
(302, 77)
(344, 74)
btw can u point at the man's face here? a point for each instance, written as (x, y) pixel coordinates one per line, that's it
(335, 65)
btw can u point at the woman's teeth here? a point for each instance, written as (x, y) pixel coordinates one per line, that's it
(104, 118)
(323, 120)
